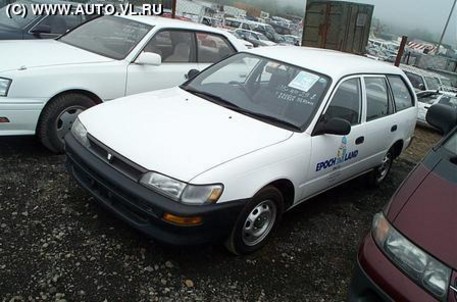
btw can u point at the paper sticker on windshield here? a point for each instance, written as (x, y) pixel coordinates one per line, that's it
(304, 81)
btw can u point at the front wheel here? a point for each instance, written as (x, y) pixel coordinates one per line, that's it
(256, 222)
(57, 118)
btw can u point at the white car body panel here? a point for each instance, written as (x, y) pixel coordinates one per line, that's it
(174, 113)
(42, 69)
(185, 137)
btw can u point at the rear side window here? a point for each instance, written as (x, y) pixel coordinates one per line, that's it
(377, 98)
(402, 96)
(213, 48)
(346, 102)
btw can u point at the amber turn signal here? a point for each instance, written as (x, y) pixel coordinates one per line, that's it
(184, 221)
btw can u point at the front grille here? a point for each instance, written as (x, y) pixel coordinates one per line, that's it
(137, 208)
(114, 159)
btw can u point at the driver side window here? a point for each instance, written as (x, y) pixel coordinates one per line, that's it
(346, 102)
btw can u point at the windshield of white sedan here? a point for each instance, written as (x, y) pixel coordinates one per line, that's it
(108, 36)
(269, 90)
(17, 21)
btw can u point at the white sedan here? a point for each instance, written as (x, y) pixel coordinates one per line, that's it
(222, 156)
(428, 98)
(44, 85)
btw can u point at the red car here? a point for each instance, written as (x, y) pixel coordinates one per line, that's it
(411, 252)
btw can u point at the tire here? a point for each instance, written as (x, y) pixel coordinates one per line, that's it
(256, 222)
(379, 174)
(58, 117)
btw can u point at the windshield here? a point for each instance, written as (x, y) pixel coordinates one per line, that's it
(17, 21)
(432, 83)
(275, 92)
(108, 36)
(262, 37)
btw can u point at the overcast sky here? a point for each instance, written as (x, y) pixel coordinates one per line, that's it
(430, 15)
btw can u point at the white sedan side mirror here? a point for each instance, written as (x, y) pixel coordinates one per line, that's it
(149, 58)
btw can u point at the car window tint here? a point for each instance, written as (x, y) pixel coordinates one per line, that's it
(377, 97)
(346, 102)
(212, 48)
(402, 95)
(175, 46)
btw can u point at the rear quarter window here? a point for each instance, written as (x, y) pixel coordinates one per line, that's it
(401, 93)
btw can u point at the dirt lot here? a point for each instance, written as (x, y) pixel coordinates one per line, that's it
(56, 244)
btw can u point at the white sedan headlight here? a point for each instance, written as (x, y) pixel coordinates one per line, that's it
(181, 191)
(80, 133)
(4, 86)
(425, 270)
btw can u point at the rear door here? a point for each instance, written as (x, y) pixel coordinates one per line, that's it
(381, 126)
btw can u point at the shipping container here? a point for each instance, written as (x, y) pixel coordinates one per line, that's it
(337, 25)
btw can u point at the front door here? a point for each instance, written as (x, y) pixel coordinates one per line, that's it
(178, 52)
(333, 157)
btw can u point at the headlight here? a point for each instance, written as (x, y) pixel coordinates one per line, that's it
(80, 133)
(4, 86)
(425, 270)
(181, 191)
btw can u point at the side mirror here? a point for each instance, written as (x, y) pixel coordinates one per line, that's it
(192, 74)
(336, 126)
(442, 117)
(421, 86)
(41, 29)
(149, 58)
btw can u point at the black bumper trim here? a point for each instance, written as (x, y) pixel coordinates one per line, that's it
(143, 208)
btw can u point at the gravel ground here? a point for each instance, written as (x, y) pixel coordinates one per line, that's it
(56, 244)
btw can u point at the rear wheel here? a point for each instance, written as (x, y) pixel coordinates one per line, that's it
(379, 174)
(256, 222)
(57, 118)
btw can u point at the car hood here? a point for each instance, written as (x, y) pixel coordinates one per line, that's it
(176, 133)
(425, 211)
(39, 53)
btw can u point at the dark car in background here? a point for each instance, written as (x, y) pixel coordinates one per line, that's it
(37, 26)
(410, 253)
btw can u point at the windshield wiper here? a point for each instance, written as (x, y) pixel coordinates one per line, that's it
(212, 98)
(218, 100)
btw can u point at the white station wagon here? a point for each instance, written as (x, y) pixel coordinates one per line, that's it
(45, 84)
(222, 156)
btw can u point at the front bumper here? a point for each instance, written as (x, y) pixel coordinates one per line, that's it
(142, 208)
(22, 114)
(376, 278)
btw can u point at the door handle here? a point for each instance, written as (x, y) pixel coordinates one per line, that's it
(426, 107)
(394, 128)
(359, 140)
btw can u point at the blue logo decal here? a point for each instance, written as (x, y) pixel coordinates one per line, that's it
(341, 156)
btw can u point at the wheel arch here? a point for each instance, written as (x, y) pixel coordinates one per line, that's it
(287, 189)
(397, 148)
(95, 98)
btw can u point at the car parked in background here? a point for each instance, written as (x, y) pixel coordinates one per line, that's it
(421, 79)
(221, 157)
(257, 39)
(45, 84)
(409, 255)
(38, 26)
(426, 99)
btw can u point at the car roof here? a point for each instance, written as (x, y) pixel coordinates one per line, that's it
(333, 63)
(418, 71)
(172, 23)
